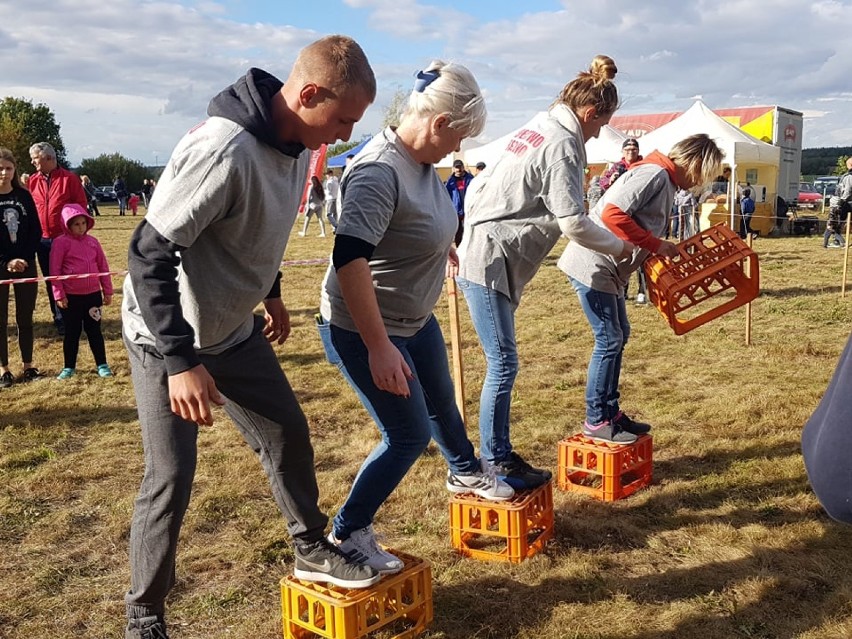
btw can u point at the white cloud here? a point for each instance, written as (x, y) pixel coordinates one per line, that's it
(132, 76)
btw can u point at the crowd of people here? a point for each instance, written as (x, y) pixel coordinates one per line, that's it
(47, 220)
(399, 231)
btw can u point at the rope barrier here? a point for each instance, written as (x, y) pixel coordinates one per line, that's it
(80, 276)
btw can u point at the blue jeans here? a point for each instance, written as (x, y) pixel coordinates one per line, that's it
(406, 424)
(493, 317)
(607, 316)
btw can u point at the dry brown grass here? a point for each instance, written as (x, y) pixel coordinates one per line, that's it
(728, 542)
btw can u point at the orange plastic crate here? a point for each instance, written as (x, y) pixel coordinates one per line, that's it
(511, 530)
(603, 470)
(400, 602)
(715, 271)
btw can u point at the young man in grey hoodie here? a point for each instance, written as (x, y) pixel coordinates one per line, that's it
(206, 254)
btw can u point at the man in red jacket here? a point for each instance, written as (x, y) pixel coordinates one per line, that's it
(52, 187)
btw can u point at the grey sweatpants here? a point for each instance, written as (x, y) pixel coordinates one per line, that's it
(264, 409)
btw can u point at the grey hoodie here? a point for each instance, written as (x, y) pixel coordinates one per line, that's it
(209, 249)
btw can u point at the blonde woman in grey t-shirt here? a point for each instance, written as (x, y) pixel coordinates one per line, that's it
(636, 209)
(515, 211)
(393, 240)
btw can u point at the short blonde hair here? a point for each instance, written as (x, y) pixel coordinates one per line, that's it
(452, 90)
(699, 156)
(593, 88)
(337, 62)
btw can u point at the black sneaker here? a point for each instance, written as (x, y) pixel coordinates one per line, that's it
(608, 432)
(323, 561)
(146, 628)
(519, 474)
(6, 380)
(625, 423)
(31, 374)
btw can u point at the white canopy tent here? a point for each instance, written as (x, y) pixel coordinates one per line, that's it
(739, 147)
(606, 148)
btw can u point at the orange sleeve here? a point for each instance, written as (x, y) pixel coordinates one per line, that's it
(625, 228)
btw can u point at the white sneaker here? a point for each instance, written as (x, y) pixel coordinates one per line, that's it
(362, 548)
(640, 299)
(301, 234)
(321, 235)
(483, 483)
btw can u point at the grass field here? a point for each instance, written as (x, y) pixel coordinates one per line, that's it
(728, 542)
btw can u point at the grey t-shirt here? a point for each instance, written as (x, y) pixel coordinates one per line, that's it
(402, 208)
(231, 201)
(646, 193)
(511, 208)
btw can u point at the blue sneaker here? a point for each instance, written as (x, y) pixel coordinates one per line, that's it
(65, 373)
(104, 370)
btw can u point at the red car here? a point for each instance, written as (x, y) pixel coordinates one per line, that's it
(809, 197)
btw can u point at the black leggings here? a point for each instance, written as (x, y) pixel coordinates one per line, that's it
(25, 299)
(83, 312)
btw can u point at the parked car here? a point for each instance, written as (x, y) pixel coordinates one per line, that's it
(105, 194)
(826, 185)
(808, 197)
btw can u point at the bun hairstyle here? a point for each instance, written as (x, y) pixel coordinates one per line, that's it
(594, 87)
(447, 88)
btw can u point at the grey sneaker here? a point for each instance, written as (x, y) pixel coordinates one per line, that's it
(323, 561)
(146, 628)
(483, 483)
(608, 432)
(6, 380)
(362, 547)
(625, 423)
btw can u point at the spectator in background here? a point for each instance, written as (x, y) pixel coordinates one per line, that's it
(146, 192)
(120, 193)
(78, 253)
(747, 211)
(20, 234)
(91, 193)
(314, 206)
(133, 203)
(479, 168)
(594, 192)
(457, 187)
(52, 187)
(629, 156)
(840, 204)
(332, 191)
(683, 215)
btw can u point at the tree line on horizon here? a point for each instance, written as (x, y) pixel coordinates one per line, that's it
(23, 123)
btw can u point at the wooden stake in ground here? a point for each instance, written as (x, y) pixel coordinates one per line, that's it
(747, 266)
(846, 255)
(456, 346)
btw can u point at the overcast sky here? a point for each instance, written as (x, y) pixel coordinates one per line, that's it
(131, 76)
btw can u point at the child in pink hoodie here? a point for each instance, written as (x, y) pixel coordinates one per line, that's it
(76, 253)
